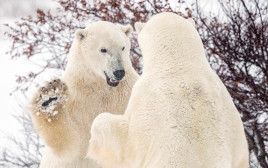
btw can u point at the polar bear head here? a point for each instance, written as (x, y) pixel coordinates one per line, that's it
(170, 41)
(164, 21)
(104, 50)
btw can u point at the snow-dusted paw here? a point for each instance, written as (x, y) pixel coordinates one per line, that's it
(51, 98)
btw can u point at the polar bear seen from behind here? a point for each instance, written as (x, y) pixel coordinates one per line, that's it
(179, 115)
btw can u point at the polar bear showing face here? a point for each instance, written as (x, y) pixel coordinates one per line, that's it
(103, 50)
(179, 115)
(99, 77)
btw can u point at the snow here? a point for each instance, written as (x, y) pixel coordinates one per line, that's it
(54, 97)
(9, 104)
(13, 105)
(253, 161)
(262, 118)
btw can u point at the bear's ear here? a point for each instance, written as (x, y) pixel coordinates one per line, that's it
(191, 21)
(80, 34)
(126, 29)
(139, 26)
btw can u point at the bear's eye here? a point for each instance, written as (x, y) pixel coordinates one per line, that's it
(123, 48)
(103, 50)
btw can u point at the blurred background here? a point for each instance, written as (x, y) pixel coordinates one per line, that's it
(15, 125)
(35, 37)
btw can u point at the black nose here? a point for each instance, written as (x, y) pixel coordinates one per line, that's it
(119, 74)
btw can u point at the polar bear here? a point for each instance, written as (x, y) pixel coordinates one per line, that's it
(98, 77)
(179, 115)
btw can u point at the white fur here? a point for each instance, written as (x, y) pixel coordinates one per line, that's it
(180, 114)
(139, 26)
(66, 137)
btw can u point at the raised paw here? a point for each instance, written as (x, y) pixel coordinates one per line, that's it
(52, 97)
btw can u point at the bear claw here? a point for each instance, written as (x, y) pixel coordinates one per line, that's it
(52, 96)
(46, 103)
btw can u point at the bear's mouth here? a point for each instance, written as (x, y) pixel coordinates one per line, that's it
(110, 81)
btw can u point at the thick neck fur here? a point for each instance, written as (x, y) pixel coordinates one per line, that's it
(178, 57)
